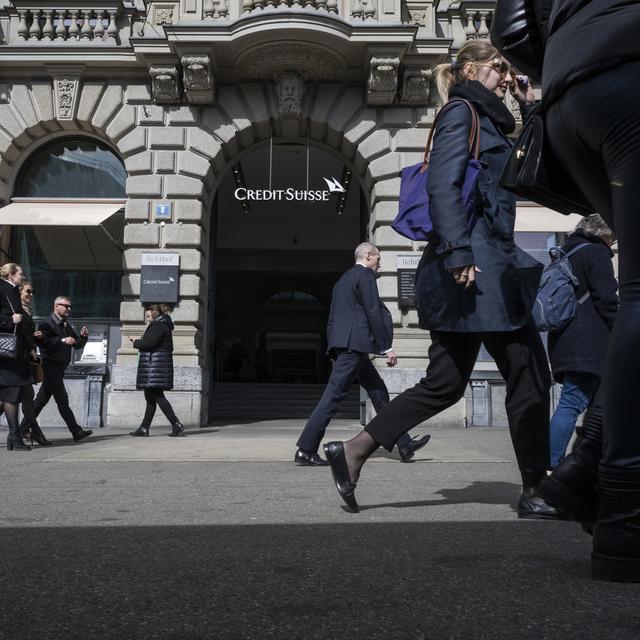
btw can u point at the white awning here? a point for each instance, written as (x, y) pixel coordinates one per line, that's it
(74, 236)
(532, 217)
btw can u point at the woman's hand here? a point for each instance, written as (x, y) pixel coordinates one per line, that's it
(465, 276)
(37, 335)
(17, 318)
(522, 90)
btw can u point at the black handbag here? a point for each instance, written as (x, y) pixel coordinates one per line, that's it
(533, 172)
(518, 31)
(9, 342)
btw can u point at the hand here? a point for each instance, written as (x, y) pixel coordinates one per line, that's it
(37, 335)
(522, 90)
(70, 341)
(392, 359)
(33, 356)
(17, 318)
(466, 275)
(84, 332)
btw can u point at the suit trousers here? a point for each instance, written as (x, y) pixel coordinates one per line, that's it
(522, 361)
(348, 366)
(53, 385)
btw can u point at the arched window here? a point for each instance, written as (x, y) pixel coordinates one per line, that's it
(72, 168)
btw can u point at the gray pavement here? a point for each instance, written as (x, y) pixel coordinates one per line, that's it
(219, 535)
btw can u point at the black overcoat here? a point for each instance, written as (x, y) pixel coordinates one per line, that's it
(582, 345)
(155, 366)
(506, 287)
(16, 372)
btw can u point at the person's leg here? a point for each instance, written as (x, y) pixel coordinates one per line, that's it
(14, 439)
(61, 398)
(42, 397)
(577, 392)
(29, 425)
(150, 397)
(345, 369)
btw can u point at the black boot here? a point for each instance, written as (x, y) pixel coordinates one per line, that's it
(616, 535)
(573, 485)
(15, 442)
(36, 435)
(140, 431)
(176, 429)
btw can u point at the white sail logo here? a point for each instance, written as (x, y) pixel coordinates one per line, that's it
(334, 186)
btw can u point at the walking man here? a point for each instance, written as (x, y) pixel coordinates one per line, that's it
(359, 324)
(58, 338)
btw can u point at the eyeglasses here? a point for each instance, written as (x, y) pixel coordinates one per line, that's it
(66, 306)
(501, 66)
(29, 291)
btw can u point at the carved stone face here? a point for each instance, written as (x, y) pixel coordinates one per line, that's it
(290, 91)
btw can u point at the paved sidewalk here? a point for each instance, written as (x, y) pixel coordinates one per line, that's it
(220, 535)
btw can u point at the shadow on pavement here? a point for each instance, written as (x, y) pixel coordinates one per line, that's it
(422, 581)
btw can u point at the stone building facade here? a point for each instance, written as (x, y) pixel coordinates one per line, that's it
(181, 90)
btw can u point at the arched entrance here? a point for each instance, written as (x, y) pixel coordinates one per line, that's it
(286, 217)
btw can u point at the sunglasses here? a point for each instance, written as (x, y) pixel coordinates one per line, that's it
(501, 66)
(29, 291)
(66, 306)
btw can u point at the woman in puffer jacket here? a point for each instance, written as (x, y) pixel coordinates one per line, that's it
(155, 368)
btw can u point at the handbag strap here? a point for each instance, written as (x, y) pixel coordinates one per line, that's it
(15, 326)
(474, 134)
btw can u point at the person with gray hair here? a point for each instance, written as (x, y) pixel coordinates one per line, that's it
(359, 324)
(577, 352)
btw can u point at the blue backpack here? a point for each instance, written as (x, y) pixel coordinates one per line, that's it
(556, 302)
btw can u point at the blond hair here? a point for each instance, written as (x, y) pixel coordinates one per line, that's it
(476, 52)
(162, 309)
(7, 270)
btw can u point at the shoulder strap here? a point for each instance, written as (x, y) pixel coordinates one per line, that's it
(15, 326)
(576, 249)
(474, 135)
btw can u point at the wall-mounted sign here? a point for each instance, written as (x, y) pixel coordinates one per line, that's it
(162, 210)
(290, 194)
(159, 277)
(406, 266)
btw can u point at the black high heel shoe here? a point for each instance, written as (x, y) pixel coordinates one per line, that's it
(15, 443)
(140, 431)
(176, 429)
(334, 452)
(35, 434)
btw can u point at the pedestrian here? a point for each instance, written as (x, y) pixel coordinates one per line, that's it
(155, 368)
(577, 352)
(591, 100)
(15, 373)
(359, 324)
(58, 339)
(237, 357)
(474, 286)
(29, 426)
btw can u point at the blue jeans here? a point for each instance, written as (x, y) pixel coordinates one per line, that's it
(578, 390)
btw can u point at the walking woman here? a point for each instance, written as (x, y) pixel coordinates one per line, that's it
(155, 368)
(15, 373)
(474, 286)
(29, 426)
(591, 98)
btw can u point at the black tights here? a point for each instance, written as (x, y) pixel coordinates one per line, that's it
(11, 411)
(595, 131)
(155, 398)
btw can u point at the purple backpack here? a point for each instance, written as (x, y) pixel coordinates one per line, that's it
(413, 220)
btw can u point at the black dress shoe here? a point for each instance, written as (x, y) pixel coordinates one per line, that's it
(306, 459)
(335, 457)
(80, 435)
(535, 508)
(406, 453)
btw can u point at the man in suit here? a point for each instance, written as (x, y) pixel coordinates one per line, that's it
(359, 324)
(58, 338)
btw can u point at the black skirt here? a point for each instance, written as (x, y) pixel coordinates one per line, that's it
(13, 395)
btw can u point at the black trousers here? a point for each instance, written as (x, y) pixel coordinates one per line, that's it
(348, 366)
(155, 398)
(522, 361)
(53, 385)
(595, 130)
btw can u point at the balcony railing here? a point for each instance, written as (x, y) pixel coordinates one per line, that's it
(82, 25)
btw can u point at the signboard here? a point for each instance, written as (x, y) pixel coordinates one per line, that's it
(159, 277)
(162, 211)
(406, 266)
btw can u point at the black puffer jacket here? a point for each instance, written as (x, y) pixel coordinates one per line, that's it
(582, 345)
(155, 367)
(585, 38)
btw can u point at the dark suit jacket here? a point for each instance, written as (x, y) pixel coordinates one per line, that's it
(358, 320)
(52, 348)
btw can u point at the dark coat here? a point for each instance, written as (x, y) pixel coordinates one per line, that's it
(52, 349)
(506, 288)
(585, 38)
(15, 372)
(358, 320)
(155, 366)
(582, 345)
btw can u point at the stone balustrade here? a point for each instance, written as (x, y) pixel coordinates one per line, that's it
(476, 24)
(67, 25)
(354, 9)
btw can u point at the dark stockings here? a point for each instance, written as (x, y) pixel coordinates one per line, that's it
(357, 451)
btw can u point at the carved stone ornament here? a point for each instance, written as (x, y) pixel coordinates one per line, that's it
(165, 84)
(383, 80)
(164, 15)
(197, 77)
(290, 85)
(418, 16)
(415, 86)
(5, 93)
(66, 92)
